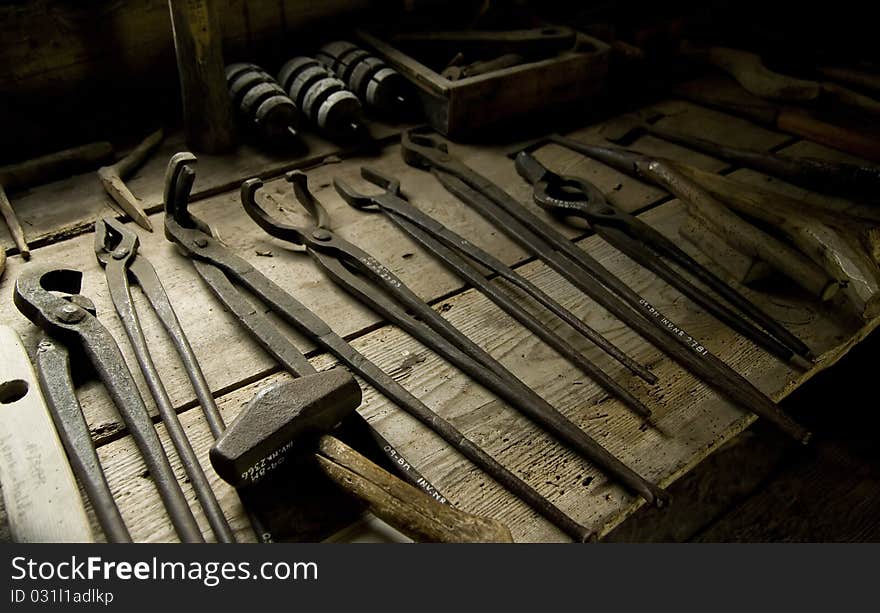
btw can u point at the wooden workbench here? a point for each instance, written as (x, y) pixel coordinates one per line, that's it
(693, 420)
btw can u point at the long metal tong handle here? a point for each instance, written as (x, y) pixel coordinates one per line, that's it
(394, 204)
(74, 323)
(53, 370)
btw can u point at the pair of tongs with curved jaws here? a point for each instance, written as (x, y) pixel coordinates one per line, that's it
(567, 197)
(463, 256)
(587, 274)
(214, 262)
(116, 248)
(369, 281)
(72, 323)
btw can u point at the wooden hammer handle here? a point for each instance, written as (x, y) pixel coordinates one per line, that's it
(403, 506)
(739, 233)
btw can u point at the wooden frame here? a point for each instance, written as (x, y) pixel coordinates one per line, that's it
(455, 108)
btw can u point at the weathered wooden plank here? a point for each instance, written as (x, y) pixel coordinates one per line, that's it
(238, 358)
(694, 421)
(66, 208)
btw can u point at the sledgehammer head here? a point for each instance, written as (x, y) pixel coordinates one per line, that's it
(282, 419)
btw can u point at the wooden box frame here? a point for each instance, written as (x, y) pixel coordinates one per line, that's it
(456, 108)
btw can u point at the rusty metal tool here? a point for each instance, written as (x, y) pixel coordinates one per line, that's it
(848, 180)
(69, 322)
(300, 416)
(40, 170)
(323, 98)
(379, 87)
(363, 276)
(116, 248)
(216, 264)
(462, 256)
(113, 179)
(565, 197)
(263, 106)
(588, 275)
(747, 238)
(53, 369)
(41, 497)
(720, 95)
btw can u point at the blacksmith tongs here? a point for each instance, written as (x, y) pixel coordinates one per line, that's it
(116, 248)
(69, 322)
(567, 196)
(363, 276)
(219, 266)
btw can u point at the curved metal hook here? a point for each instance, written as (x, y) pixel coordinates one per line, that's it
(269, 224)
(300, 183)
(113, 239)
(362, 201)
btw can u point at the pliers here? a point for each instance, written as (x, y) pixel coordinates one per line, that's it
(116, 248)
(68, 319)
(566, 196)
(218, 267)
(462, 256)
(588, 275)
(372, 283)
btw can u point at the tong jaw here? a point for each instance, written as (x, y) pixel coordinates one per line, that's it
(179, 178)
(284, 231)
(420, 149)
(363, 201)
(35, 299)
(114, 241)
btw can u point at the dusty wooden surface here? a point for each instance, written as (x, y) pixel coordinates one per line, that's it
(693, 420)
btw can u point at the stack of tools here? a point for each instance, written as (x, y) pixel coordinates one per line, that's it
(381, 88)
(588, 275)
(825, 253)
(264, 109)
(323, 98)
(219, 268)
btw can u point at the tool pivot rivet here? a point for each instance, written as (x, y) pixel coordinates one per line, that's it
(120, 253)
(70, 313)
(321, 235)
(201, 242)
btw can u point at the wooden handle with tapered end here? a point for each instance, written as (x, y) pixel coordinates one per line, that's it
(401, 505)
(40, 493)
(207, 110)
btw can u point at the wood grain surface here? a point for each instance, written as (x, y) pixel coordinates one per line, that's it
(693, 420)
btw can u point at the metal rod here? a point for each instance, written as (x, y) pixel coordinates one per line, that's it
(589, 276)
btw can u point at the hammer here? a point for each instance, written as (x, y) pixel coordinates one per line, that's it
(41, 170)
(296, 417)
(113, 179)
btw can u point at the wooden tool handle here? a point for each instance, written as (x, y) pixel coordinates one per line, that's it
(54, 165)
(14, 226)
(207, 110)
(838, 254)
(136, 156)
(401, 505)
(749, 70)
(743, 268)
(41, 496)
(741, 234)
(803, 124)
